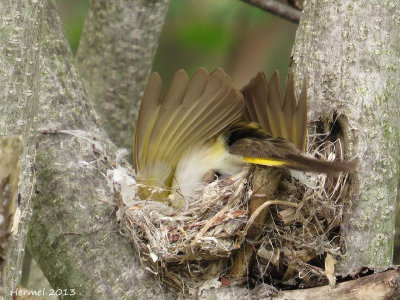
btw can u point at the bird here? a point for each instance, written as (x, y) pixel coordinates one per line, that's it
(204, 128)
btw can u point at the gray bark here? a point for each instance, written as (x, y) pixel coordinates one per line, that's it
(349, 52)
(114, 59)
(20, 36)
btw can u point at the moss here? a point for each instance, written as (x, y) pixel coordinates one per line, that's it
(386, 132)
(45, 174)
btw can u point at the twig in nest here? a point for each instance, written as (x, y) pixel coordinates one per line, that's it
(262, 207)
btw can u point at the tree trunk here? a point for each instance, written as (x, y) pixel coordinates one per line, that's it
(114, 59)
(20, 44)
(349, 52)
(74, 234)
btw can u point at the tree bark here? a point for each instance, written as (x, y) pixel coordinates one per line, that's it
(20, 36)
(114, 59)
(349, 52)
(382, 286)
(74, 235)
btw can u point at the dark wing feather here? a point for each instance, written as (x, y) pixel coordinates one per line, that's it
(289, 107)
(280, 117)
(299, 127)
(275, 107)
(256, 96)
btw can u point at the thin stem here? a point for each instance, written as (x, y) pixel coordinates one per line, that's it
(285, 11)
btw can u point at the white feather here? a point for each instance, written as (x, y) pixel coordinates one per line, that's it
(198, 162)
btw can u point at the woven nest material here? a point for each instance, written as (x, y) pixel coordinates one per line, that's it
(193, 249)
(209, 228)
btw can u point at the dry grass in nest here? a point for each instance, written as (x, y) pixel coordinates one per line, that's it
(180, 245)
(298, 243)
(191, 249)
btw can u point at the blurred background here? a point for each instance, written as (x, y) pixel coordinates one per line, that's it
(240, 38)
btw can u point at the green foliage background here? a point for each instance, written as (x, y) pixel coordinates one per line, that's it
(230, 34)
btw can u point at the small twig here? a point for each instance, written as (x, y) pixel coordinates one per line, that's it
(208, 225)
(262, 207)
(285, 11)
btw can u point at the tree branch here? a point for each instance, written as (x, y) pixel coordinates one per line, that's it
(285, 11)
(114, 59)
(381, 286)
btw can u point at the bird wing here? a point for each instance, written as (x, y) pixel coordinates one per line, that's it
(283, 117)
(191, 112)
(284, 122)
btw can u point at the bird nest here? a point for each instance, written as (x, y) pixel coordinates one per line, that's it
(195, 248)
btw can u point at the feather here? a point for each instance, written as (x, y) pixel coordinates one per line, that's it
(285, 118)
(276, 152)
(289, 108)
(299, 127)
(274, 106)
(192, 112)
(280, 138)
(148, 114)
